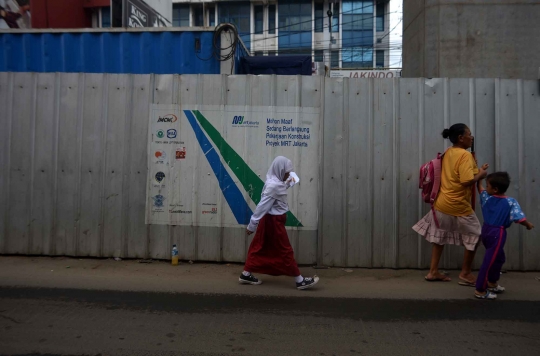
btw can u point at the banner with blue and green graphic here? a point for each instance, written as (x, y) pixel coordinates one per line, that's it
(207, 164)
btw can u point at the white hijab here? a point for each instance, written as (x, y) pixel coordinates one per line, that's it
(274, 185)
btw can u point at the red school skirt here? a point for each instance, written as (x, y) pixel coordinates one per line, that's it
(270, 251)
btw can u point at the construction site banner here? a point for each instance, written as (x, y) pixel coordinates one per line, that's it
(207, 164)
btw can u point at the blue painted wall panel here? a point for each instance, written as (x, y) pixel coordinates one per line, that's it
(107, 52)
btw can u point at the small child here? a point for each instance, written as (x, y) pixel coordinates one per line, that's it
(499, 212)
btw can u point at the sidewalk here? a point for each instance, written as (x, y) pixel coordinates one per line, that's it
(206, 278)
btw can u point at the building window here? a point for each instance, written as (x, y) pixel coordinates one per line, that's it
(357, 57)
(211, 15)
(295, 16)
(259, 12)
(116, 13)
(180, 15)
(239, 14)
(319, 16)
(259, 53)
(357, 16)
(334, 59)
(295, 26)
(357, 34)
(319, 56)
(272, 19)
(335, 18)
(105, 17)
(379, 59)
(380, 17)
(198, 15)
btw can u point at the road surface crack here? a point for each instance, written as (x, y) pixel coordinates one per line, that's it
(10, 318)
(508, 334)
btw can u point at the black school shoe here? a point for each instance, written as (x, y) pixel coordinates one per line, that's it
(251, 279)
(308, 282)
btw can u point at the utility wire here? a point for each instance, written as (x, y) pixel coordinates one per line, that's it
(392, 28)
(217, 50)
(313, 20)
(234, 37)
(316, 18)
(289, 33)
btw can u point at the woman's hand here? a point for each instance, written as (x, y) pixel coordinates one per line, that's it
(248, 232)
(482, 173)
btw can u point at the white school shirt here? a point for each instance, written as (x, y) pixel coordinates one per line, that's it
(267, 205)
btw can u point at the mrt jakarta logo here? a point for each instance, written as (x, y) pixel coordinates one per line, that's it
(239, 120)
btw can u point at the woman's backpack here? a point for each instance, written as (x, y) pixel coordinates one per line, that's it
(430, 182)
(430, 179)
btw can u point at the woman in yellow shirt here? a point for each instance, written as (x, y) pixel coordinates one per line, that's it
(458, 224)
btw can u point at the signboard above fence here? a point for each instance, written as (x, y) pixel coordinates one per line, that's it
(136, 13)
(365, 74)
(207, 164)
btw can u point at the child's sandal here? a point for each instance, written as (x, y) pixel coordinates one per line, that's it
(489, 295)
(499, 289)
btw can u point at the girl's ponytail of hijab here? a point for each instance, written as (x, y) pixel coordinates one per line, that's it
(454, 132)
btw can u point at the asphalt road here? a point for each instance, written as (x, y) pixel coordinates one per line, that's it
(54, 321)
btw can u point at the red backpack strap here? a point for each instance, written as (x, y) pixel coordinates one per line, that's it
(435, 216)
(437, 169)
(437, 184)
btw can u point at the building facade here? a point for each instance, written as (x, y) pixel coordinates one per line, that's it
(471, 39)
(73, 14)
(341, 34)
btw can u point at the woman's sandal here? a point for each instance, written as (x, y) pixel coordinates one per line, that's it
(466, 283)
(442, 278)
(489, 295)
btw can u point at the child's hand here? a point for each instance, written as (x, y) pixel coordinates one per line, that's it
(529, 226)
(482, 172)
(248, 232)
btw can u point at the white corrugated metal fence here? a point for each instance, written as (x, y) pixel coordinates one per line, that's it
(73, 162)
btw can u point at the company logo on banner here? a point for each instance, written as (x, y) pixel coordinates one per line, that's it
(221, 181)
(237, 120)
(181, 153)
(168, 118)
(160, 176)
(158, 201)
(160, 155)
(240, 121)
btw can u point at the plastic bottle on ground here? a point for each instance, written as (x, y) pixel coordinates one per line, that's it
(174, 255)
